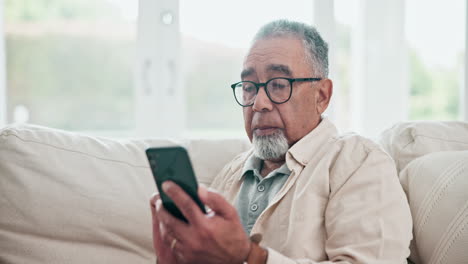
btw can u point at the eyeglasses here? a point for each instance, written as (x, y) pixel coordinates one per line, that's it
(278, 90)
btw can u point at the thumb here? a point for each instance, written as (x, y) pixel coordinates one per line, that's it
(216, 202)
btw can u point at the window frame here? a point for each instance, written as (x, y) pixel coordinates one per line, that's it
(3, 94)
(160, 60)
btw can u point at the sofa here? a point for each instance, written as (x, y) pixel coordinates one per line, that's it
(72, 198)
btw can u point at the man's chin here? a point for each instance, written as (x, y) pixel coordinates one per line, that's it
(271, 146)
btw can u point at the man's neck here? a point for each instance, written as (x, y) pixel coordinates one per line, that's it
(270, 165)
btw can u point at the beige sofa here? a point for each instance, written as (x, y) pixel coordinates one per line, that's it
(71, 198)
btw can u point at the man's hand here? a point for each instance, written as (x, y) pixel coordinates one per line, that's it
(217, 237)
(163, 252)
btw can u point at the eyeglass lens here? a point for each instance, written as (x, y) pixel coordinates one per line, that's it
(278, 90)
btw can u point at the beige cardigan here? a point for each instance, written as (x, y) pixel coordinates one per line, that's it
(342, 203)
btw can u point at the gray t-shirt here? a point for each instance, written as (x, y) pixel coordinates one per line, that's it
(257, 192)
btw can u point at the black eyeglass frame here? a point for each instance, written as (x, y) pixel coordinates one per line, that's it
(258, 85)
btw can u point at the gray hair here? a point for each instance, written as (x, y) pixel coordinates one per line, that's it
(316, 48)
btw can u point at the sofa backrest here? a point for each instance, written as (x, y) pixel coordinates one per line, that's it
(432, 160)
(71, 198)
(436, 185)
(407, 141)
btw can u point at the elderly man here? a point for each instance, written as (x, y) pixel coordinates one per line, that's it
(304, 194)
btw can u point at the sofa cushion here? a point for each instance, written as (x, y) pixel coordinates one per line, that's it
(209, 156)
(71, 198)
(436, 186)
(410, 140)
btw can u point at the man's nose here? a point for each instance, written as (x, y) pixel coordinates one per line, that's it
(262, 103)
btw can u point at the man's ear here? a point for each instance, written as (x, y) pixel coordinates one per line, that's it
(324, 94)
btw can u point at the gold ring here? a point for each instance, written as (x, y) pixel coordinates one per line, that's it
(173, 243)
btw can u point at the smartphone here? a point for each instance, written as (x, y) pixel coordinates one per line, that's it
(173, 163)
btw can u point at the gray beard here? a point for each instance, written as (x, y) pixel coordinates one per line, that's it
(270, 147)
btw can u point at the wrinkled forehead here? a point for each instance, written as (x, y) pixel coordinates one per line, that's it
(280, 55)
(282, 69)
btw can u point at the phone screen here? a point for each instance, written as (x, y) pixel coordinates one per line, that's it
(173, 163)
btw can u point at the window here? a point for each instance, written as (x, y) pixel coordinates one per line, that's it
(214, 44)
(436, 39)
(163, 68)
(70, 63)
(345, 16)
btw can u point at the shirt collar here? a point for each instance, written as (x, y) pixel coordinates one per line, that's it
(253, 163)
(303, 150)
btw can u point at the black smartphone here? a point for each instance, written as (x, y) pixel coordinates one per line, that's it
(173, 163)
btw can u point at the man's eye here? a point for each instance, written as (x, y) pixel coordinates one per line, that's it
(248, 88)
(278, 85)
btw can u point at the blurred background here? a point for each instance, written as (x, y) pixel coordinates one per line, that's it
(164, 68)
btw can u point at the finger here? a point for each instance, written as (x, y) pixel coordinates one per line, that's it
(157, 239)
(162, 248)
(155, 196)
(217, 203)
(184, 202)
(168, 238)
(153, 200)
(154, 211)
(157, 223)
(172, 225)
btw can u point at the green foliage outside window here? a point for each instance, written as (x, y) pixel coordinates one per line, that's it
(75, 80)
(434, 92)
(68, 68)
(52, 10)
